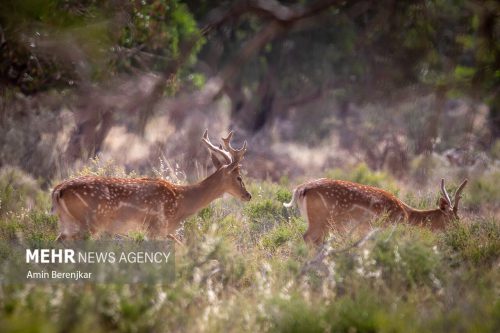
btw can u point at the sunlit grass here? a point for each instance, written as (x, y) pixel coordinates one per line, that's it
(245, 267)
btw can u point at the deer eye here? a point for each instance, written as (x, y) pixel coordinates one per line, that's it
(239, 179)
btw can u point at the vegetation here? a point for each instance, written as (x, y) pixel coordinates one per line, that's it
(393, 94)
(246, 268)
(264, 66)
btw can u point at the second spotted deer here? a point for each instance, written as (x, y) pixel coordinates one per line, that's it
(328, 204)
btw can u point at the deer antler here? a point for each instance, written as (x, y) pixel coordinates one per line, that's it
(445, 194)
(216, 150)
(237, 154)
(458, 195)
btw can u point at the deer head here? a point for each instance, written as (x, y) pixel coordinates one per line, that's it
(449, 208)
(226, 160)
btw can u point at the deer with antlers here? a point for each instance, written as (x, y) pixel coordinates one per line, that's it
(95, 205)
(332, 204)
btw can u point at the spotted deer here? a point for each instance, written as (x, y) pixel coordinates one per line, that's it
(333, 204)
(96, 205)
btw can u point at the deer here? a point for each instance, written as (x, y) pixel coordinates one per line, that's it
(103, 205)
(328, 204)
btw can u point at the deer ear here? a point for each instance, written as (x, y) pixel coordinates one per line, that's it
(217, 163)
(443, 204)
(233, 166)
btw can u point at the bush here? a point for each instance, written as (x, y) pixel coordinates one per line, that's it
(483, 190)
(245, 268)
(295, 315)
(36, 227)
(18, 190)
(263, 209)
(476, 242)
(398, 257)
(357, 313)
(283, 195)
(108, 168)
(495, 149)
(288, 231)
(362, 174)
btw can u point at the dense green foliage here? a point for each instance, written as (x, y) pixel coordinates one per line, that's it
(59, 44)
(368, 49)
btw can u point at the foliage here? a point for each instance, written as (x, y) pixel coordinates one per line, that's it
(97, 167)
(244, 267)
(157, 30)
(289, 231)
(361, 68)
(495, 149)
(73, 42)
(363, 175)
(476, 242)
(18, 190)
(484, 190)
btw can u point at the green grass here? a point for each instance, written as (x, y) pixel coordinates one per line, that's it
(484, 191)
(362, 174)
(19, 191)
(289, 231)
(245, 268)
(476, 242)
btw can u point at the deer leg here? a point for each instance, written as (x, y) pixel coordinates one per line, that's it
(90, 228)
(317, 215)
(175, 239)
(159, 229)
(62, 237)
(68, 228)
(315, 234)
(313, 238)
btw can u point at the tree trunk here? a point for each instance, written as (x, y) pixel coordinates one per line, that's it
(428, 137)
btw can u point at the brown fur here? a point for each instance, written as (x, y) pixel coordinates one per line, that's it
(329, 204)
(119, 205)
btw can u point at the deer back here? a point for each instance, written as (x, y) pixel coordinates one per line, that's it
(99, 200)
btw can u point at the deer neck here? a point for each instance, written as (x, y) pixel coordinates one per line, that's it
(198, 196)
(419, 217)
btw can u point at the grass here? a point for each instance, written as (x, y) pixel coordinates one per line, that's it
(363, 175)
(484, 191)
(477, 242)
(245, 267)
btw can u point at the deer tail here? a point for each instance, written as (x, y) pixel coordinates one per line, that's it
(56, 196)
(298, 193)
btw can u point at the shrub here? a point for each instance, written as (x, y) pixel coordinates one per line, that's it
(483, 190)
(476, 242)
(36, 227)
(18, 190)
(426, 166)
(401, 257)
(295, 315)
(266, 208)
(244, 268)
(495, 149)
(206, 213)
(108, 168)
(283, 195)
(362, 174)
(357, 313)
(230, 226)
(288, 231)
